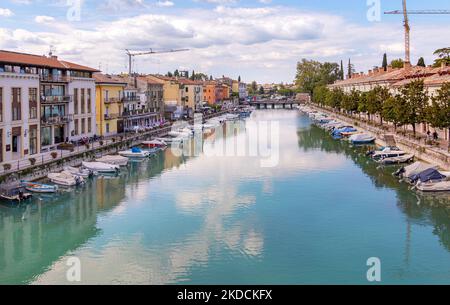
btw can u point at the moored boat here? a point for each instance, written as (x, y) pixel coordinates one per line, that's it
(39, 187)
(101, 167)
(114, 160)
(78, 171)
(396, 160)
(362, 138)
(135, 152)
(440, 186)
(154, 144)
(65, 178)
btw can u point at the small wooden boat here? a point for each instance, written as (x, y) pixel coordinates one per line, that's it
(14, 194)
(39, 187)
(65, 179)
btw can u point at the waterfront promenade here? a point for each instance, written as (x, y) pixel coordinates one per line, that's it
(437, 153)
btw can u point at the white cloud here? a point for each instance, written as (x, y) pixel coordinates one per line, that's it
(257, 43)
(44, 19)
(5, 12)
(165, 3)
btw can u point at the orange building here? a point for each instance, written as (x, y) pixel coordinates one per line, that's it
(209, 92)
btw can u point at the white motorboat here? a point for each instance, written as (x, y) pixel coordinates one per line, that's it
(387, 153)
(396, 160)
(171, 140)
(135, 152)
(65, 179)
(114, 160)
(101, 167)
(78, 171)
(416, 168)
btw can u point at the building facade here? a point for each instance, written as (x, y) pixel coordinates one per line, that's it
(110, 106)
(38, 96)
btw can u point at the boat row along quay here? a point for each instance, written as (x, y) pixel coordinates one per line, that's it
(71, 171)
(423, 177)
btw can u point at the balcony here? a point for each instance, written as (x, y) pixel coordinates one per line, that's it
(138, 113)
(56, 119)
(54, 78)
(111, 116)
(131, 99)
(112, 100)
(55, 99)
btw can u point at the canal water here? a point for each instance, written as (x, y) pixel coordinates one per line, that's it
(316, 217)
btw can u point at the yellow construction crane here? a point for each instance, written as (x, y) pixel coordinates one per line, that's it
(131, 55)
(405, 13)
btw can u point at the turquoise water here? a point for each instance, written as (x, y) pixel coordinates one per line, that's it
(316, 217)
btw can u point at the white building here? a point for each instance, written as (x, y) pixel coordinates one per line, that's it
(41, 99)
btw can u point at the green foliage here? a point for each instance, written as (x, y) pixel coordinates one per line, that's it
(261, 90)
(391, 109)
(443, 57)
(335, 98)
(414, 98)
(385, 62)
(421, 62)
(350, 101)
(397, 63)
(438, 113)
(311, 74)
(320, 95)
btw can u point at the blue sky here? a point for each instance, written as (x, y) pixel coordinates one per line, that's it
(258, 39)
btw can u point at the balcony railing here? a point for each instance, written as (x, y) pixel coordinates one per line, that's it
(55, 120)
(112, 116)
(137, 113)
(131, 99)
(55, 78)
(55, 99)
(112, 100)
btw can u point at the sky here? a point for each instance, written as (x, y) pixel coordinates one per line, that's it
(258, 40)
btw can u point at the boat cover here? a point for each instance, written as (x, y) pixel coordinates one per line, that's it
(430, 174)
(416, 168)
(135, 150)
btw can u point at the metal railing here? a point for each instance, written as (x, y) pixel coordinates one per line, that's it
(56, 99)
(54, 120)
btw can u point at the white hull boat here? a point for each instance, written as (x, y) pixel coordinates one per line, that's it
(101, 167)
(397, 160)
(65, 179)
(114, 160)
(80, 172)
(362, 139)
(441, 186)
(135, 153)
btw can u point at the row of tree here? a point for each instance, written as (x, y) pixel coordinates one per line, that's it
(411, 106)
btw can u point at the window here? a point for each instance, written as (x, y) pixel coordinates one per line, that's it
(33, 95)
(16, 104)
(89, 125)
(82, 102)
(1, 104)
(46, 136)
(83, 126)
(33, 140)
(89, 96)
(75, 100)
(107, 127)
(76, 126)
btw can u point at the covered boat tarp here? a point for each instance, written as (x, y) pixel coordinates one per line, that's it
(362, 137)
(136, 150)
(430, 174)
(415, 169)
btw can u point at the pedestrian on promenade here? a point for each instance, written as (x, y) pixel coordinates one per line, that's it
(435, 135)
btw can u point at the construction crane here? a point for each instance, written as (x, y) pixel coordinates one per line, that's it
(131, 55)
(405, 13)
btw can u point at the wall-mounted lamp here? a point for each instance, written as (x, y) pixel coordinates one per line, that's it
(8, 134)
(25, 133)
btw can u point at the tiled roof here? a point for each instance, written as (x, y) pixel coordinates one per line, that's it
(109, 79)
(41, 61)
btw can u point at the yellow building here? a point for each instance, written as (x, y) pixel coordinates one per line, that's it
(235, 88)
(172, 94)
(109, 104)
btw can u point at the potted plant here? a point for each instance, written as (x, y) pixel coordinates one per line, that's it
(32, 161)
(6, 167)
(88, 146)
(101, 143)
(54, 155)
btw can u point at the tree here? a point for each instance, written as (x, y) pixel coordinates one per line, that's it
(211, 77)
(350, 101)
(362, 103)
(371, 100)
(193, 76)
(176, 73)
(239, 78)
(439, 110)
(414, 98)
(350, 69)
(397, 63)
(376, 101)
(335, 98)
(385, 62)
(320, 94)
(261, 90)
(391, 110)
(253, 88)
(421, 62)
(342, 75)
(311, 74)
(443, 57)
(169, 74)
